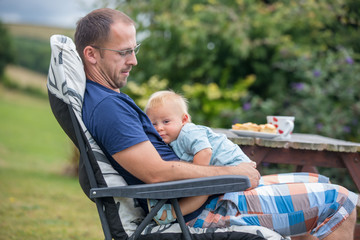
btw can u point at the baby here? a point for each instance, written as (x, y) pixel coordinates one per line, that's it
(198, 144)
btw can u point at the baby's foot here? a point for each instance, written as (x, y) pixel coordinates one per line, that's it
(164, 215)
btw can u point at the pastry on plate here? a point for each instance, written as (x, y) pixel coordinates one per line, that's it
(246, 127)
(267, 128)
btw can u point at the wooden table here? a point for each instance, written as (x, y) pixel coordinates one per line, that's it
(305, 151)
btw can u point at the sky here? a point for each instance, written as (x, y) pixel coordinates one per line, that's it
(56, 13)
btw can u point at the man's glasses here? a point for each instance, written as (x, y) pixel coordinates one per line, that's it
(123, 53)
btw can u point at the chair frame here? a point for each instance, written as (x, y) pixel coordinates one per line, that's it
(97, 177)
(164, 191)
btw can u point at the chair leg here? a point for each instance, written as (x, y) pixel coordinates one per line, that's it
(153, 212)
(103, 220)
(180, 219)
(147, 220)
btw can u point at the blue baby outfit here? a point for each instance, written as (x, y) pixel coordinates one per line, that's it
(193, 138)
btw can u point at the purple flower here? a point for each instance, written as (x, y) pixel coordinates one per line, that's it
(317, 73)
(349, 60)
(265, 164)
(298, 86)
(346, 129)
(247, 106)
(319, 126)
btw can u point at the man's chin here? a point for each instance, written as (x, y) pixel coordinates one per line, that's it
(122, 83)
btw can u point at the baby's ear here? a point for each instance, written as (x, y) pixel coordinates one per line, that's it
(186, 118)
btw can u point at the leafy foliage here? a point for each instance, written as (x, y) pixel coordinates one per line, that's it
(303, 56)
(216, 104)
(32, 53)
(330, 80)
(141, 92)
(6, 48)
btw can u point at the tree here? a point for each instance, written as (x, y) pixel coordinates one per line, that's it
(6, 49)
(296, 58)
(282, 44)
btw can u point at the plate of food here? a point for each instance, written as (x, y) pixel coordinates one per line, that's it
(254, 130)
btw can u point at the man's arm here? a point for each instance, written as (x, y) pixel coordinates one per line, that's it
(143, 161)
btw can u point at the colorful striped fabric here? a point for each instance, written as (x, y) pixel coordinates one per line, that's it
(299, 177)
(290, 208)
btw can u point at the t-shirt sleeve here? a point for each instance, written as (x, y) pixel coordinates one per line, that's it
(193, 140)
(116, 125)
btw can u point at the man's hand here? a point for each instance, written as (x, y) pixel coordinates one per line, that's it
(249, 169)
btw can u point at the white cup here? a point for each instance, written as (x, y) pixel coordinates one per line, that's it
(284, 125)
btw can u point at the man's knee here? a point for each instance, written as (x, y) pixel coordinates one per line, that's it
(353, 216)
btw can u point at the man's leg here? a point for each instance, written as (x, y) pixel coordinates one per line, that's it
(299, 177)
(282, 206)
(305, 237)
(345, 230)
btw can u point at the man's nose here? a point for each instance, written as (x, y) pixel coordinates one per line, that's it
(132, 60)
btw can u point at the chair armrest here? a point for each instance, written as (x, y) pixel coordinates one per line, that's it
(177, 189)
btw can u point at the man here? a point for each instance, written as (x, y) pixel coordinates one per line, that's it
(106, 42)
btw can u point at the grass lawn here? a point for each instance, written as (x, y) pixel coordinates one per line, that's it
(37, 201)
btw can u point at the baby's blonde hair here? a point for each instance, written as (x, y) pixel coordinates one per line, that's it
(161, 97)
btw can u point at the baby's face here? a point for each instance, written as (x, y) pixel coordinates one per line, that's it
(167, 121)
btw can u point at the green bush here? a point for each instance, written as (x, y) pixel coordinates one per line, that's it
(281, 43)
(140, 93)
(321, 92)
(217, 105)
(32, 53)
(6, 49)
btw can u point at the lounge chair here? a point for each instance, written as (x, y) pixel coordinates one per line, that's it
(120, 215)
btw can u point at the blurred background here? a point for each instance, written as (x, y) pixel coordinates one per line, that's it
(237, 61)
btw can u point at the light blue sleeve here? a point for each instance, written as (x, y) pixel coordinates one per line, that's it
(190, 141)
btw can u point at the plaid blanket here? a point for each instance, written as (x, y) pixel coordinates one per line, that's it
(299, 177)
(291, 204)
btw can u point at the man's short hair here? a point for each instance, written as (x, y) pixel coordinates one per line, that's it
(94, 28)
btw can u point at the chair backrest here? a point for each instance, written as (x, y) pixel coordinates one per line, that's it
(66, 87)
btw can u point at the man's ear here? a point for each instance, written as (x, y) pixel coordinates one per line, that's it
(90, 54)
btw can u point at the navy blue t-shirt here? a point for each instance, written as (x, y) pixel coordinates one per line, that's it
(117, 123)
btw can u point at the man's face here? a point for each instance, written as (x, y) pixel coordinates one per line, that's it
(114, 67)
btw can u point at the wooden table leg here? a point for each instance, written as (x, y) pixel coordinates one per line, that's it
(352, 163)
